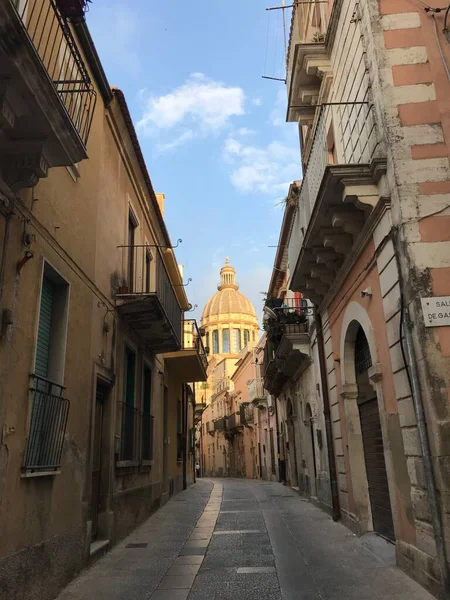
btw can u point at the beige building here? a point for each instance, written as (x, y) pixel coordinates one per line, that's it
(95, 356)
(368, 89)
(230, 325)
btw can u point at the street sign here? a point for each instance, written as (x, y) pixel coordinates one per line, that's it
(436, 311)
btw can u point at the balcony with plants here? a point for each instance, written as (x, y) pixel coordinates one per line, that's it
(146, 299)
(288, 346)
(47, 98)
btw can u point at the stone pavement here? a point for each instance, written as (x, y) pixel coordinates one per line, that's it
(229, 539)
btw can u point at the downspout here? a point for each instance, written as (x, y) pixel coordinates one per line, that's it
(410, 360)
(327, 416)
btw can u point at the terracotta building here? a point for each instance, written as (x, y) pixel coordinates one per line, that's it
(95, 356)
(368, 87)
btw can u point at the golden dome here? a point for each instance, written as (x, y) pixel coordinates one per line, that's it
(228, 300)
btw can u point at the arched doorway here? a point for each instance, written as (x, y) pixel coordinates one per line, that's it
(310, 449)
(290, 417)
(372, 439)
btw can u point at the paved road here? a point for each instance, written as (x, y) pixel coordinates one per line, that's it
(229, 539)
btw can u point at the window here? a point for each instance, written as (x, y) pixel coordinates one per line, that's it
(254, 336)
(246, 336)
(49, 410)
(132, 224)
(147, 418)
(215, 336)
(236, 340)
(207, 339)
(128, 449)
(226, 341)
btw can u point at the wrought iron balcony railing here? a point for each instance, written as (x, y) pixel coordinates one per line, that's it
(256, 390)
(144, 275)
(193, 339)
(51, 35)
(49, 413)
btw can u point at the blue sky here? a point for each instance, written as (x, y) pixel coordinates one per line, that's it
(213, 132)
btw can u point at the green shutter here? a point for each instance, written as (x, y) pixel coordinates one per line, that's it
(44, 330)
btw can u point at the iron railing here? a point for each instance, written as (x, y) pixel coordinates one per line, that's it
(352, 127)
(309, 25)
(234, 421)
(51, 35)
(129, 441)
(256, 389)
(193, 339)
(147, 436)
(145, 274)
(49, 413)
(220, 424)
(248, 414)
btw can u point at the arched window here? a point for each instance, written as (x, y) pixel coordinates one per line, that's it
(254, 336)
(226, 341)
(236, 340)
(246, 336)
(215, 337)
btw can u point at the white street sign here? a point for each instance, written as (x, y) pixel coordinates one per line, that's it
(436, 311)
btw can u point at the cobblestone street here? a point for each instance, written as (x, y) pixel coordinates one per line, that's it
(229, 539)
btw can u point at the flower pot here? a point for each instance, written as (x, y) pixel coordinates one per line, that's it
(123, 289)
(71, 9)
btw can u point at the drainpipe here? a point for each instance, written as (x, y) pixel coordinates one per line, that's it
(327, 416)
(410, 360)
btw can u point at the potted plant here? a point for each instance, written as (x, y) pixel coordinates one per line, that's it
(72, 9)
(274, 302)
(123, 287)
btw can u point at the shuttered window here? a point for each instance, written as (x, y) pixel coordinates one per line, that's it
(45, 329)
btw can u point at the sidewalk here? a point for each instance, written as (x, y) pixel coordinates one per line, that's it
(228, 539)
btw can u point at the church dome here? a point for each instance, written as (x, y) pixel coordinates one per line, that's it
(228, 300)
(229, 318)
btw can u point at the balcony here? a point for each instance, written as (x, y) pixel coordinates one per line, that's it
(234, 423)
(338, 201)
(191, 362)
(220, 424)
(47, 99)
(49, 413)
(287, 351)
(307, 64)
(256, 391)
(146, 300)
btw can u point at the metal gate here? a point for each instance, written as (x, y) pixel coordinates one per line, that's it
(373, 447)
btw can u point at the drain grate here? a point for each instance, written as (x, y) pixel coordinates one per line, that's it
(136, 546)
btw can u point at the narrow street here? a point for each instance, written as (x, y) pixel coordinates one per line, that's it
(224, 539)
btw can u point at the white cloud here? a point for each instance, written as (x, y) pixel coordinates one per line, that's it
(245, 131)
(267, 169)
(175, 143)
(200, 101)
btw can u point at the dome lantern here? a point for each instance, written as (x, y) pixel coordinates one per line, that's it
(227, 277)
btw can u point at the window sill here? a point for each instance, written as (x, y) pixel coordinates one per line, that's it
(147, 463)
(31, 474)
(123, 464)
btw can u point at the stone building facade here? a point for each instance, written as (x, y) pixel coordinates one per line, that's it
(369, 90)
(96, 408)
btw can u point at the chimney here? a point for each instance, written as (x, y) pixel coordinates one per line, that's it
(160, 198)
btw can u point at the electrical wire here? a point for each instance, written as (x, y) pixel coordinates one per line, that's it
(441, 52)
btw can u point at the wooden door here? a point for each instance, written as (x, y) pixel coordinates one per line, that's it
(97, 456)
